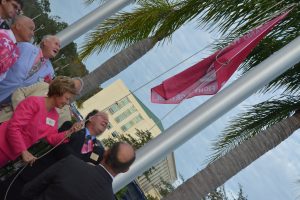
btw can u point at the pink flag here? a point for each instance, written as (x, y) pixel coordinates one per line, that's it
(209, 75)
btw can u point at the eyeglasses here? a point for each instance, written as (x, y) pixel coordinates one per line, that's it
(16, 7)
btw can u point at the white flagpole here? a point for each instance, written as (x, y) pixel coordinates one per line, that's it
(90, 20)
(211, 110)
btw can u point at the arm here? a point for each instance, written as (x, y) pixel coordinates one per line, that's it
(22, 116)
(35, 187)
(54, 138)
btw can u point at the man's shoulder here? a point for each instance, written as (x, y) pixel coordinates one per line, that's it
(34, 100)
(26, 45)
(71, 159)
(36, 89)
(78, 135)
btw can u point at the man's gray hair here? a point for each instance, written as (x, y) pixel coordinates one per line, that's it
(81, 83)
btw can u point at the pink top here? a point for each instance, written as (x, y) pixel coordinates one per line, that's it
(30, 122)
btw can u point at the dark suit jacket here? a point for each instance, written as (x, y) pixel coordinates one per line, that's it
(71, 179)
(4, 25)
(74, 147)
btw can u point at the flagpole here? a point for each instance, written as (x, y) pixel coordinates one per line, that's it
(91, 20)
(211, 110)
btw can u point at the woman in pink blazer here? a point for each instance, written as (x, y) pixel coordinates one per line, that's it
(36, 118)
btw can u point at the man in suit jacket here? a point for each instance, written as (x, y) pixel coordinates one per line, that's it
(84, 144)
(74, 179)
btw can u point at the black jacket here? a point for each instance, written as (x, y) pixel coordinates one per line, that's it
(74, 147)
(71, 179)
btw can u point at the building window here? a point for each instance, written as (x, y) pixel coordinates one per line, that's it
(108, 126)
(125, 114)
(115, 134)
(131, 123)
(118, 105)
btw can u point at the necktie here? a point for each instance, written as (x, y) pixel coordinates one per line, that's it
(87, 145)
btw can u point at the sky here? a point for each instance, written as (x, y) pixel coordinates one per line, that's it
(273, 176)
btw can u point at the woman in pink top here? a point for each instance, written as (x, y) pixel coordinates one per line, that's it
(36, 118)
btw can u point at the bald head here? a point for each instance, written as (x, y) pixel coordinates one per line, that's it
(23, 28)
(126, 153)
(120, 157)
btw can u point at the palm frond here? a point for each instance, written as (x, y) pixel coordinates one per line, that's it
(88, 2)
(127, 28)
(257, 118)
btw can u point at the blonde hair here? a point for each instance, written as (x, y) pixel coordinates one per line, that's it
(61, 85)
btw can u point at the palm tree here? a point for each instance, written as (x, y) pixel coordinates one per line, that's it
(222, 169)
(225, 16)
(129, 31)
(154, 21)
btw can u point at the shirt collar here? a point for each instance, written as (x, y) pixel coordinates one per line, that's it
(107, 171)
(87, 132)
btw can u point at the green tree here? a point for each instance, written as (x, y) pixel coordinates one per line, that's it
(165, 187)
(139, 139)
(220, 194)
(228, 18)
(241, 194)
(150, 197)
(223, 168)
(153, 21)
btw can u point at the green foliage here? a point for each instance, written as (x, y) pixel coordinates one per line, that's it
(255, 119)
(137, 141)
(220, 194)
(159, 19)
(45, 25)
(241, 194)
(165, 187)
(121, 193)
(150, 197)
(127, 28)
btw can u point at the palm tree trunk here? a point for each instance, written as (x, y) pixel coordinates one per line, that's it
(221, 170)
(116, 64)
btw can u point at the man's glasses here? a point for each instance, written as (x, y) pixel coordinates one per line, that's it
(16, 7)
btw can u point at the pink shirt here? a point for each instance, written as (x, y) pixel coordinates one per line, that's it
(30, 122)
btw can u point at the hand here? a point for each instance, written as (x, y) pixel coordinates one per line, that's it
(27, 157)
(76, 127)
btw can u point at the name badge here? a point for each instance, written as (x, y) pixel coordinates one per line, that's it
(50, 122)
(94, 156)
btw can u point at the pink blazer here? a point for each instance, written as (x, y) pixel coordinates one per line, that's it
(30, 122)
